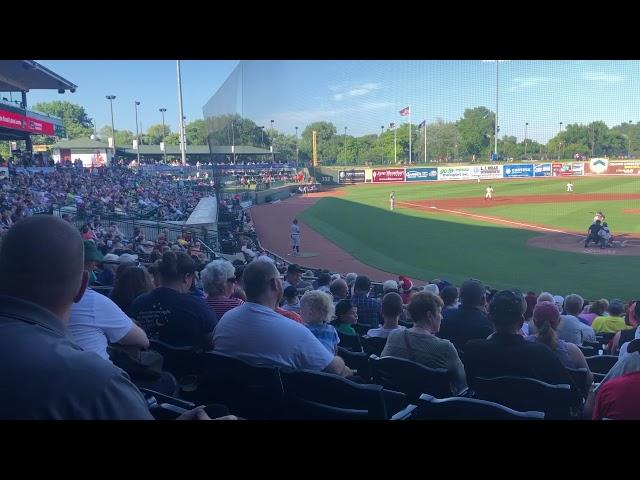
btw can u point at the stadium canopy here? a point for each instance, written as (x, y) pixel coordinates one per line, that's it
(25, 75)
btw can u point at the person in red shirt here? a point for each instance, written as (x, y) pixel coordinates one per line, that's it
(619, 399)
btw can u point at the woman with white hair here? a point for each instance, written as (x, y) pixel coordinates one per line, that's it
(316, 309)
(219, 281)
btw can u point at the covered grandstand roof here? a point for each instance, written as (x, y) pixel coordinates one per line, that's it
(25, 75)
(79, 144)
(196, 150)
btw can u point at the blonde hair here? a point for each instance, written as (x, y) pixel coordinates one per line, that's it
(320, 302)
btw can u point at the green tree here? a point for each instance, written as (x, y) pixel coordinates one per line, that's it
(74, 117)
(196, 132)
(154, 134)
(476, 129)
(172, 138)
(328, 146)
(123, 137)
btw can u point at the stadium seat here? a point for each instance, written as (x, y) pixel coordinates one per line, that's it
(588, 351)
(182, 362)
(324, 396)
(527, 394)
(361, 329)
(164, 407)
(358, 361)
(250, 391)
(373, 345)
(579, 378)
(410, 378)
(350, 342)
(604, 338)
(601, 363)
(459, 408)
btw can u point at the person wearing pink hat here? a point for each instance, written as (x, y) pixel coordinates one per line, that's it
(405, 288)
(546, 318)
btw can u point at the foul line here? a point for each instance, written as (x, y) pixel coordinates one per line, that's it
(492, 219)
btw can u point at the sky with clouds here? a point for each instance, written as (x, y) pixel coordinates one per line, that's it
(361, 95)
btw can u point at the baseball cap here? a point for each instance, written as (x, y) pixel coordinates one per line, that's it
(128, 258)
(390, 285)
(294, 267)
(91, 252)
(111, 258)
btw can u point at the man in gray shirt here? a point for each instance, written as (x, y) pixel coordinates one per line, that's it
(45, 375)
(570, 328)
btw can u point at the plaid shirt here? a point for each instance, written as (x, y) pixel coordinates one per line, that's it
(369, 310)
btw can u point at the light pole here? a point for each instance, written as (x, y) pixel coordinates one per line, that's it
(395, 143)
(382, 141)
(559, 142)
(629, 139)
(526, 124)
(273, 153)
(345, 143)
(297, 147)
(262, 136)
(497, 129)
(162, 110)
(135, 104)
(111, 98)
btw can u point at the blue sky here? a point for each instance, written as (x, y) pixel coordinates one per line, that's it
(362, 95)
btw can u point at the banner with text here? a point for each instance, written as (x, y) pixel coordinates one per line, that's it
(456, 173)
(486, 171)
(542, 170)
(388, 175)
(624, 167)
(421, 174)
(518, 170)
(351, 176)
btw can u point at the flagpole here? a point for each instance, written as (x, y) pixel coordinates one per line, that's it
(425, 141)
(409, 134)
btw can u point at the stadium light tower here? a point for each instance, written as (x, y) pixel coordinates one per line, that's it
(262, 135)
(111, 98)
(273, 153)
(559, 142)
(345, 143)
(297, 147)
(135, 105)
(382, 141)
(162, 110)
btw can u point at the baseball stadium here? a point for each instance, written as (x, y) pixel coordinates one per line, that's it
(332, 240)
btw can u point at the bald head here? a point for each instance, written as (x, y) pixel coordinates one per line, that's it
(261, 281)
(42, 261)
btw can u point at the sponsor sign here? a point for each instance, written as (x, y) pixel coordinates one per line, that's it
(388, 175)
(351, 176)
(518, 170)
(488, 171)
(457, 173)
(542, 170)
(598, 165)
(577, 168)
(556, 169)
(421, 174)
(624, 167)
(566, 170)
(25, 123)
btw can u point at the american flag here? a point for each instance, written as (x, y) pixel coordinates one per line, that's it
(405, 111)
(392, 125)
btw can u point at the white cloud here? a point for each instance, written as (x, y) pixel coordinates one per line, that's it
(602, 77)
(342, 90)
(528, 82)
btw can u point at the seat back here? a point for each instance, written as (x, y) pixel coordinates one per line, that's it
(601, 363)
(587, 350)
(461, 408)
(350, 342)
(361, 329)
(180, 361)
(324, 396)
(579, 378)
(604, 337)
(410, 378)
(527, 394)
(249, 391)
(356, 360)
(373, 345)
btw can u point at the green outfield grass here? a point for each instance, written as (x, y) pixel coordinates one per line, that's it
(426, 245)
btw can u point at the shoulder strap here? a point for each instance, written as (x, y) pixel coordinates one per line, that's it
(406, 342)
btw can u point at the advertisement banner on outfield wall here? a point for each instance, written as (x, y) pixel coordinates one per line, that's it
(577, 168)
(556, 169)
(486, 171)
(518, 170)
(542, 170)
(598, 165)
(566, 170)
(455, 173)
(388, 175)
(421, 174)
(351, 176)
(624, 167)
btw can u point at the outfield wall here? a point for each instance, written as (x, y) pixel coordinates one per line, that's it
(594, 167)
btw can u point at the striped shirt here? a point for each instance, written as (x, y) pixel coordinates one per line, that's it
(222, 305)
